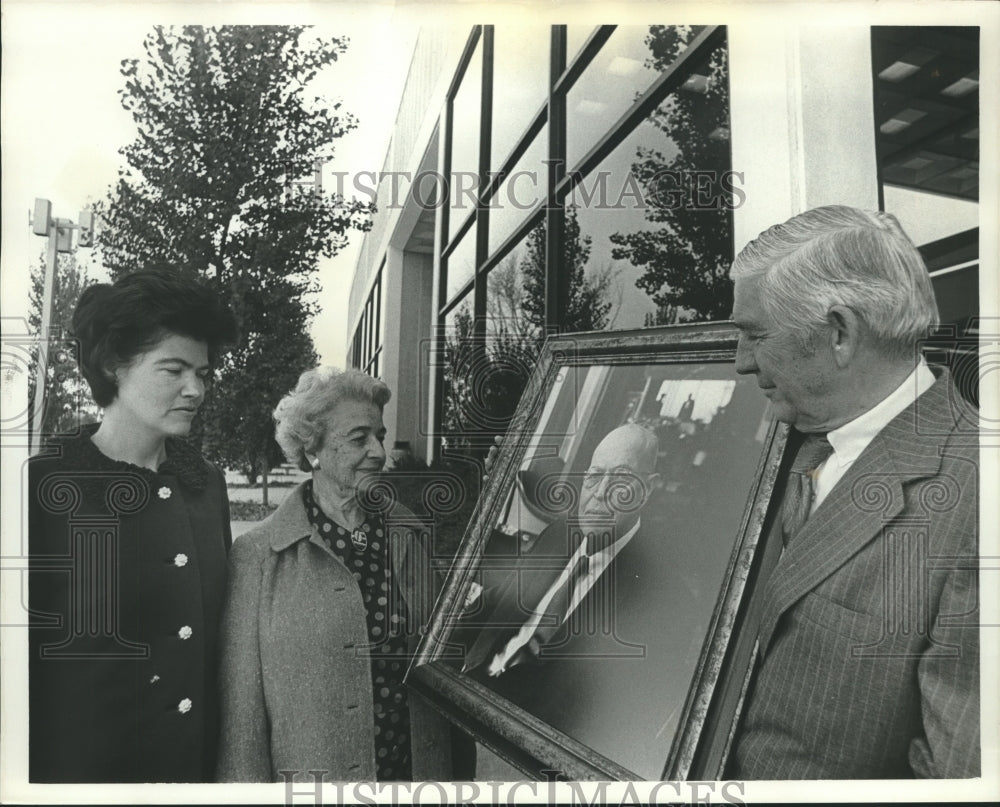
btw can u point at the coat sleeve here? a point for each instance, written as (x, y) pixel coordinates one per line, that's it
(244, 745)
(948, 676)
(227, 527)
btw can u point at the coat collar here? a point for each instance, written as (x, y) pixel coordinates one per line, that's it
(408, 555)
(868, 496)
(289, 524)
(78, 453)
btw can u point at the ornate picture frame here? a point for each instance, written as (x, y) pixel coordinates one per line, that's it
(638, 671)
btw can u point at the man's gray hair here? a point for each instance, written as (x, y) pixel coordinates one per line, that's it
(839, 255)
(300, 417)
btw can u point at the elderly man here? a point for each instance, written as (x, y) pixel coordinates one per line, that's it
(563, 569)
(868, 646)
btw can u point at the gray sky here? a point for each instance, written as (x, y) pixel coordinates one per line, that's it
(63, 122)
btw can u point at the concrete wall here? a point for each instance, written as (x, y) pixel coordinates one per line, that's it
(803, 134)
(408, 316)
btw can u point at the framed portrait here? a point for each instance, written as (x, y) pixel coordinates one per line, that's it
(590, 626)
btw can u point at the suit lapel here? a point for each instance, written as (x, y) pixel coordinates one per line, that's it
(865, 499)
(523, 590)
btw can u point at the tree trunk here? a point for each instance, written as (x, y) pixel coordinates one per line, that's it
(263, 480)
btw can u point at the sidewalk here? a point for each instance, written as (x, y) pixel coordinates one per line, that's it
(240, 527)
(282, 482)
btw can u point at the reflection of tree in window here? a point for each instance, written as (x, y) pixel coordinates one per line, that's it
(687, 259)
(482, 388)
(519, 302)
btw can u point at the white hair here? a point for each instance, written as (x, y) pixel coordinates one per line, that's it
(300, 422)
(839, 255)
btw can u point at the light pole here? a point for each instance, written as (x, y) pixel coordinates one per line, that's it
(60, 235)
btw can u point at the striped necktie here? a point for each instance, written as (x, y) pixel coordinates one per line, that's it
(558, 607)
(813, 452)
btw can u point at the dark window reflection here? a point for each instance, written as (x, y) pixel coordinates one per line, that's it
(658, 209)
(623, 69)
(458, 406)
(515, 301)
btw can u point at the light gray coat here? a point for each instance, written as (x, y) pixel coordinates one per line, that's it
(295, 680)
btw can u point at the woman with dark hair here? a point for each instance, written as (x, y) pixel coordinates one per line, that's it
(128, 532)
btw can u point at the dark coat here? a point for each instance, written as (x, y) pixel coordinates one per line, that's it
(122, 685)
(616, 673)
(869, 632)
(295, 683)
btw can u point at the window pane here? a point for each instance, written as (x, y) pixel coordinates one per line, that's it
(461, 263)
(515, 299)
(510, 353)
(576, 35)
(467, 109)
(926, 85)
(652, 224)
(520, 193)
(456, 390)
(368, 331)
(928, 217)
(624, 68)
(520, 83)
(381, 308)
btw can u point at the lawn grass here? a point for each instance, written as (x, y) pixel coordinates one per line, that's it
(250, 511)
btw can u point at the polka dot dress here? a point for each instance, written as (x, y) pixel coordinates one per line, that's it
(365, 553)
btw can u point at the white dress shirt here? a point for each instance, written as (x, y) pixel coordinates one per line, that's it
(853, 437)
(599, 561)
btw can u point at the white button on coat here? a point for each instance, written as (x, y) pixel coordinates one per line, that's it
(180, 559)
(164, 492)
(184, 706)
(185, 632)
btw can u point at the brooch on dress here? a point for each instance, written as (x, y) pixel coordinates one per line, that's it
(360, 539)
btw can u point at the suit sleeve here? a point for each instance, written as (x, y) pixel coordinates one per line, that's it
(948, 676)
(244, 745)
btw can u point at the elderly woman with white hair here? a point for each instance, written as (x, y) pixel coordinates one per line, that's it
(323, 609)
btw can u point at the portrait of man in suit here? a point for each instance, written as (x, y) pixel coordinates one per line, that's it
(596, 589)
(563, 576)
(867, 662)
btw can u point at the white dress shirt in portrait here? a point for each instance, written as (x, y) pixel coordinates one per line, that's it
(599, 561)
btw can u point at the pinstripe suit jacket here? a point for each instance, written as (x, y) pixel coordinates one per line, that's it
(869, 641)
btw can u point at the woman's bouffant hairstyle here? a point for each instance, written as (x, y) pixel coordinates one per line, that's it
(300, 416)
(115, 322)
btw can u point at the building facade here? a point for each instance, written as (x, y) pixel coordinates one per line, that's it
(546, 179)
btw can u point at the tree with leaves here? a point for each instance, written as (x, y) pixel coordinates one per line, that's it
(225, 129)
(241, 409)
(67, 396)
(686, 258)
